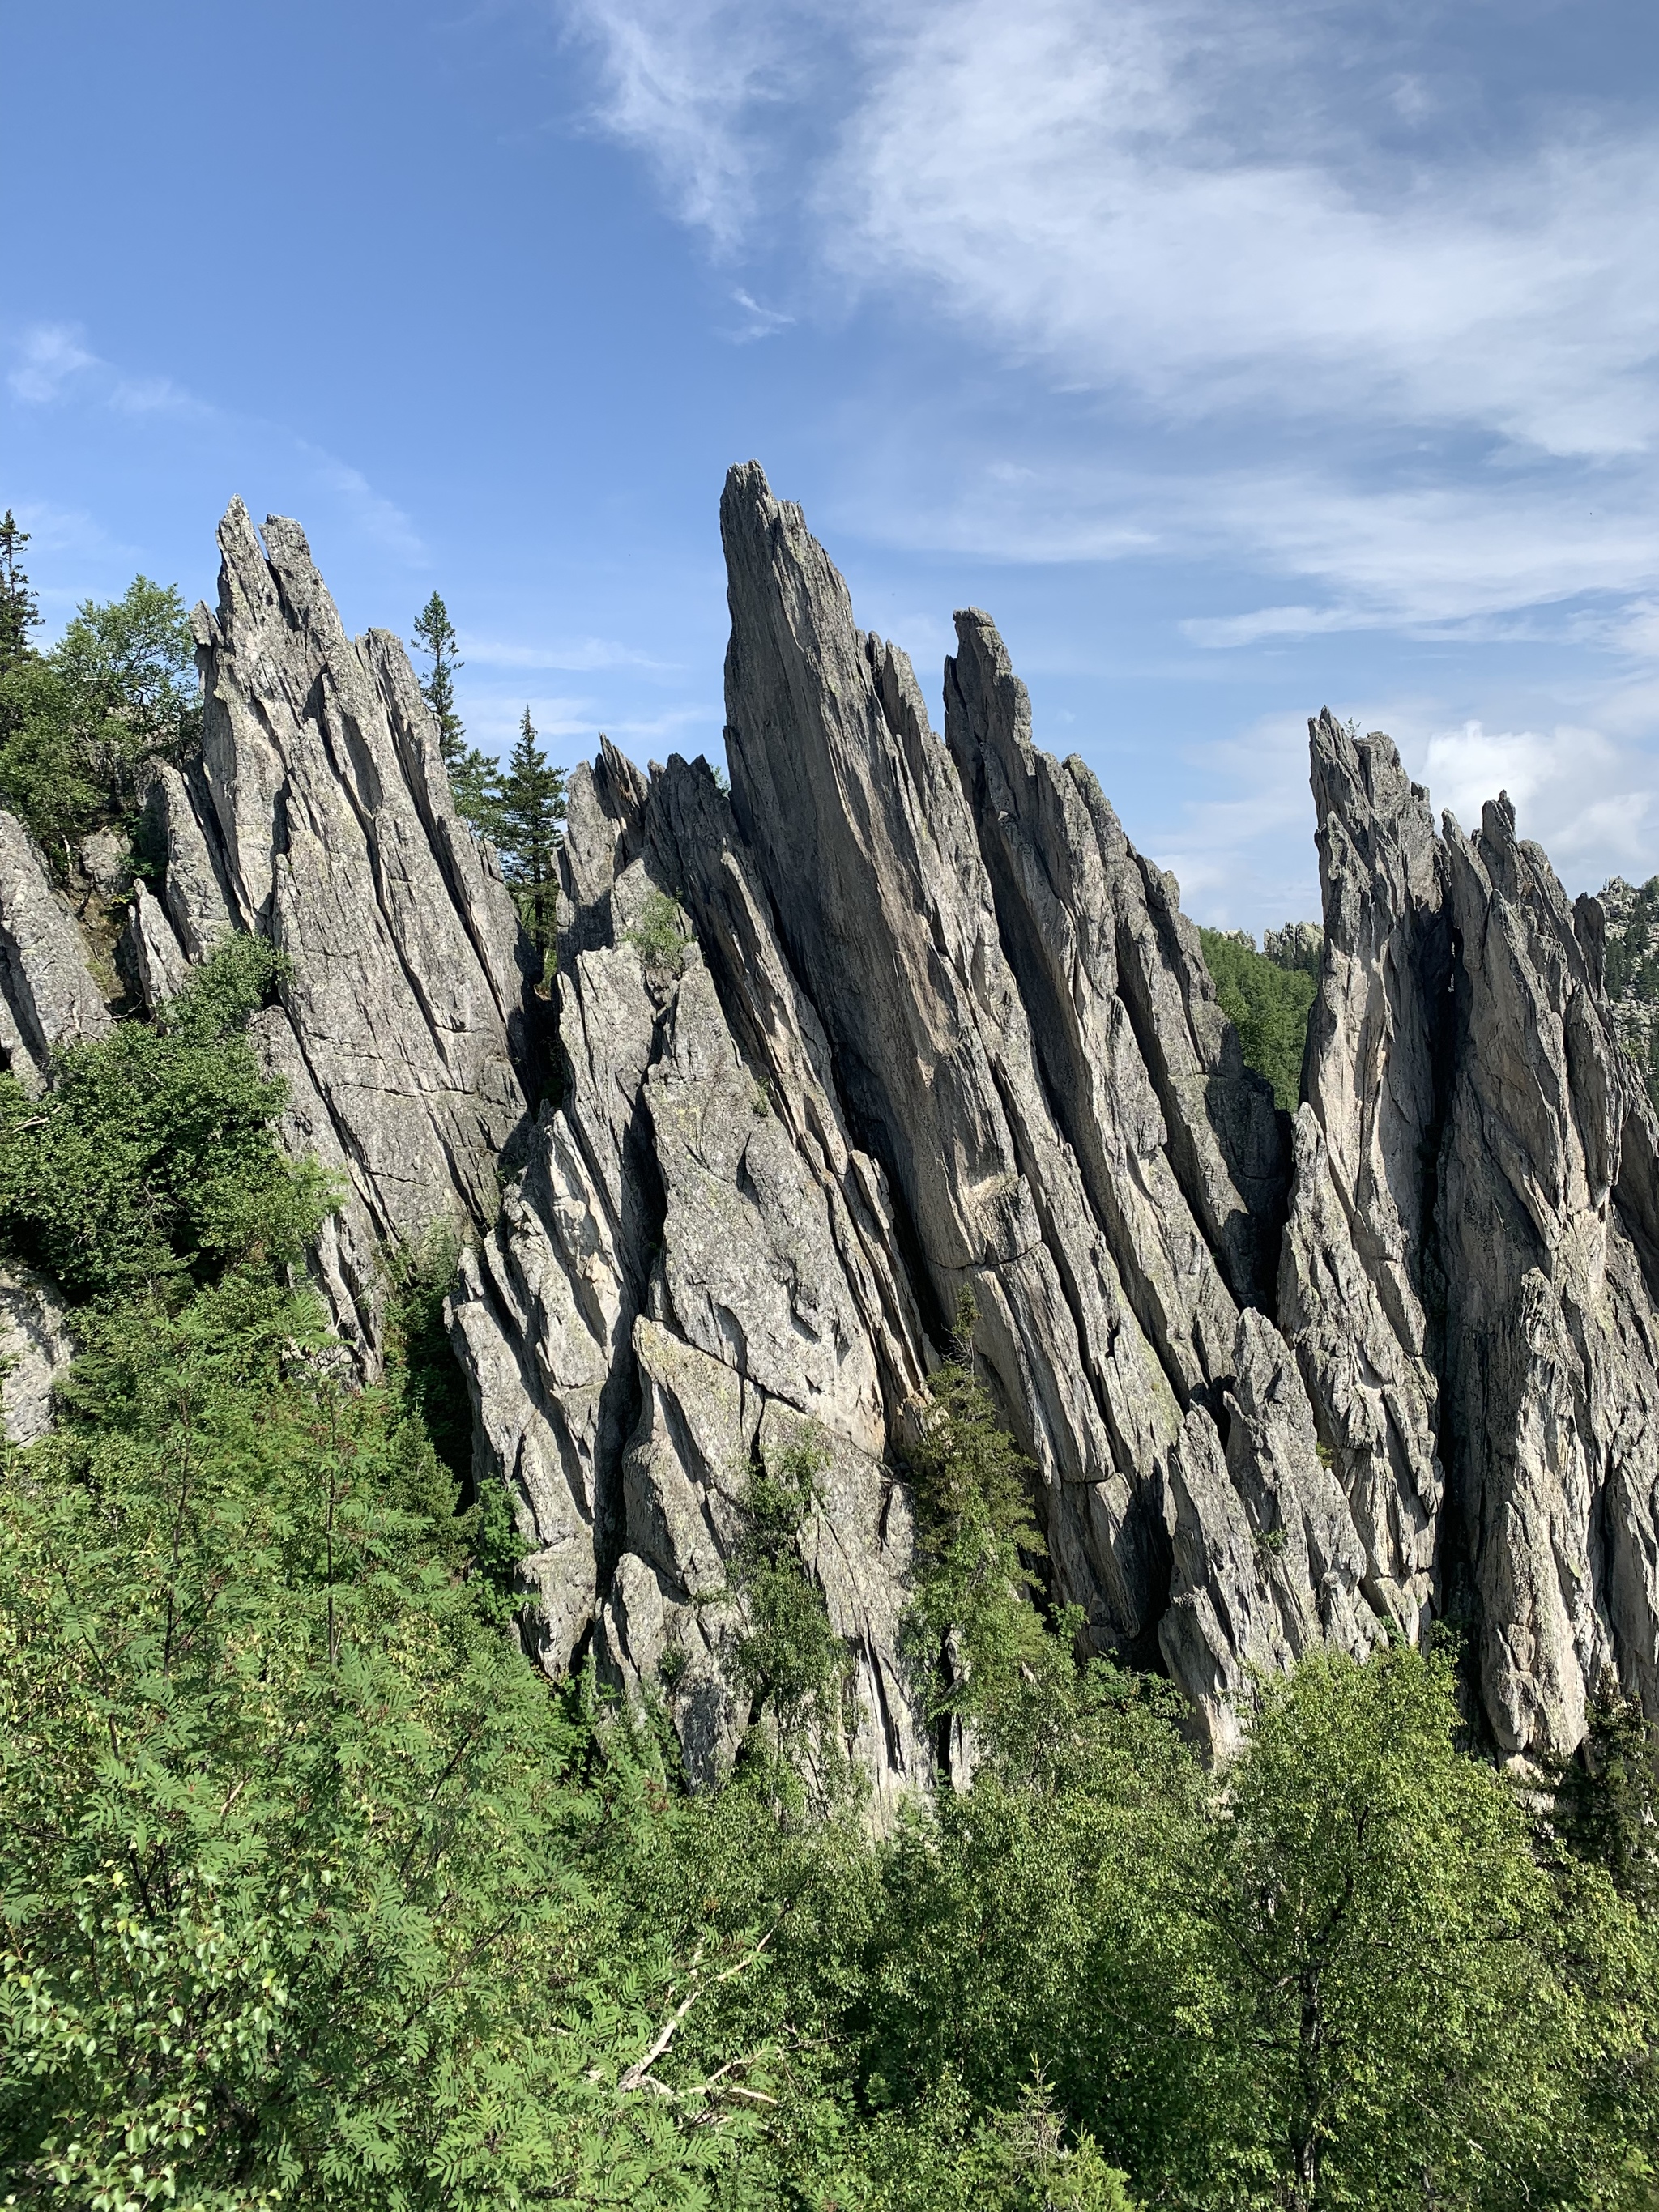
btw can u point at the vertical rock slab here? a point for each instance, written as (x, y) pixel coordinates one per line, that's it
(35, 1350)
(320, 816)
(1068, 888)
(48, 995)
(1020, 1027)
(1359, 1277)
(696, 1269)
(1551, 1342)
(857, 822)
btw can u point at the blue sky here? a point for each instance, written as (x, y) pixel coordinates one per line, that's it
(1241, 359)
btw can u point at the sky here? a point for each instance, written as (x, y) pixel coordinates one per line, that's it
(1240, 358)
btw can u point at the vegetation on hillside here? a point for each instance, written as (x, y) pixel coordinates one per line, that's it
(1268, 1003)
(76, 723)
(1631, 973)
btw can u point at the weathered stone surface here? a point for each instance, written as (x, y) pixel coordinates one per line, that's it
(104, 859)
(696, 1268)
(178, 817)
(1068, 888)
(339, 840)
(1358, 1268)
(35, 1349)
(158, 961)
(48, 995)
(1551, 1349)
(1469, 1270)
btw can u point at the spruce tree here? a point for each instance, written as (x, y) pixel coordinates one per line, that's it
(530, 810)
(20, 610)
(474, 778)
(434, 634)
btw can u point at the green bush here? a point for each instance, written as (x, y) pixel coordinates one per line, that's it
(76, 722)
(659, 935)
(154, 1155)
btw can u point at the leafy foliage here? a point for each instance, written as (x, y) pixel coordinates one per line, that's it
(977, 1540)
(660, 934)
(76, 723)
(153, 1158)
(314, 1894)
(1631, 973)
(1268, 1004)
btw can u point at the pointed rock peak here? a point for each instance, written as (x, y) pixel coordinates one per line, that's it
(986, 703)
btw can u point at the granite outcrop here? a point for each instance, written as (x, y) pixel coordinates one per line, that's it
(900, 1029)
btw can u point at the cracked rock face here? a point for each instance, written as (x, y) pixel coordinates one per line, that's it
(904, 1017)
(48, 995)
(35, 1350)
(319, 816)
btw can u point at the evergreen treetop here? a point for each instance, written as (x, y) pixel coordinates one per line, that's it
(20, 610)
(434, 634)
(531, 809)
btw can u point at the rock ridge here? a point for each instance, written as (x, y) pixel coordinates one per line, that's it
(904, 1016)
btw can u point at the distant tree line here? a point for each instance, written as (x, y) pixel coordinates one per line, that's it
(1268, 1001)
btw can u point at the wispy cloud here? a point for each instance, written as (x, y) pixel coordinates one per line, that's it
(560, 653)
(1307, 313)
(377, 518)
(51, 363)
(759, 322)
(48, 357)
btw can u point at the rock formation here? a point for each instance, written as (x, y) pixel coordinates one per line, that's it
(905, 1019)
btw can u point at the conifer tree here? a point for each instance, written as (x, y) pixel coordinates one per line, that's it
(530, 810)
(474, 778)
(434, 634)
(20, 610)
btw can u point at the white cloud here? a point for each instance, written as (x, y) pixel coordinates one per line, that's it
(50, 355)
(52, 363)
(1591, 803)
(1166, 196)
(1303, 314)
(759, 322)
(1088, 183)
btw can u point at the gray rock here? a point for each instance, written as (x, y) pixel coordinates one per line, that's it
(1469, 1266)
(35, 1350)
(407, 994)
(48, 995)
(158, 961)
(898, 1020)
(1551, 1359)
(1298, 944)
(104, 858)
(176, 821)
(697, 1266)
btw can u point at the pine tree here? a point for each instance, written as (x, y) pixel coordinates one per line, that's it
(474, 778)
(434, 634)
(20, 610)
(530, 810)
